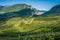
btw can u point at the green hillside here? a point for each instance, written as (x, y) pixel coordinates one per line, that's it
(19, 25)
(30, 26)
(54, 11)
(14, 8)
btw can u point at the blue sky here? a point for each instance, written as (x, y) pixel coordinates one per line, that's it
(38, 4)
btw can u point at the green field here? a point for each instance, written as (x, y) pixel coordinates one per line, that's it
(48, 27)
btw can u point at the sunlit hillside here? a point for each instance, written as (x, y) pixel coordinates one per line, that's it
(16, 22)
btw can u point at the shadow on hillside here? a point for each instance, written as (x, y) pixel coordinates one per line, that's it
(22, 13)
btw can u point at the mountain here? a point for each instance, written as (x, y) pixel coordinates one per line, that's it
(17, 10)
(14, 8)
(1, 7)
(17, 22)
(22, 10)
(44, 11)
(40, 12)
(18, 7)
(54, 11)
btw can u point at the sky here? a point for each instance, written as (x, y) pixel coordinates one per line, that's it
(38, 4)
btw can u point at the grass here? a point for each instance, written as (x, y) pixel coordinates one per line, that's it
(21, 26)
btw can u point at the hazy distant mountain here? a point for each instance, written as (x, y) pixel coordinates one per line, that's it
(54, 11)
(40, 12)
(43, 11)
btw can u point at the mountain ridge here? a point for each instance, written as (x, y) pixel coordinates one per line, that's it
(54, 11)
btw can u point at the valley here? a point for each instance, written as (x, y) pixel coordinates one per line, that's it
(21, 25)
